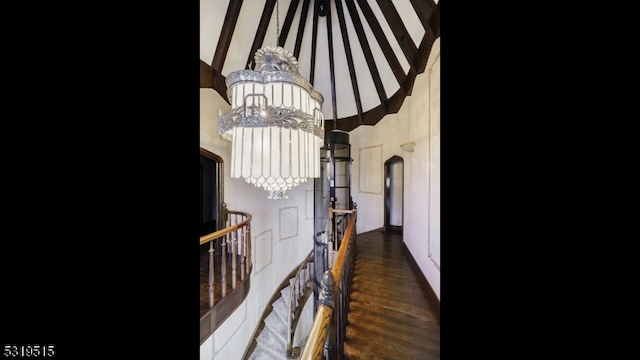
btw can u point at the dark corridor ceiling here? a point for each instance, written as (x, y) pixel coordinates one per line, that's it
(362, 56)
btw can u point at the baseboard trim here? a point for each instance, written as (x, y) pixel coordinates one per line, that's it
(424, 280)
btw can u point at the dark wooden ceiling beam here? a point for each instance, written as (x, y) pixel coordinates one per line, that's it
(347, 51)
(395, 102)
(374, 115)
(301, 24)
(331, 62)
(428, 39)
(366, 49)
(230, 20)
(258, 39)
(206, 76)
(425, 10)
(425, 49)
(370, 118)
(286, 26)
(399, 30)
(436, 21)
(219, 84)
(210, 78)
(378, 33)
(314, 42)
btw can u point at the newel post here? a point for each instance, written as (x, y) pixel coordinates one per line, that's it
(326, 297)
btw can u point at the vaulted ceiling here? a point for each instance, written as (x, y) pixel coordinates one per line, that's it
(361, 55)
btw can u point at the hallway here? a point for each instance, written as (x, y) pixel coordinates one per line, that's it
(391, 312)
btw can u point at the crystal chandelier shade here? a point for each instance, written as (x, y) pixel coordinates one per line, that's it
(275, 124)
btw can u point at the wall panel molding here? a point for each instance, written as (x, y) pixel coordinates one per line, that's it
(370, 169)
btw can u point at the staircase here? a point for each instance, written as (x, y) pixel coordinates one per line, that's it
(270, 339)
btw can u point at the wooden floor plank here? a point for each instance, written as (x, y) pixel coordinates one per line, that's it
(362, 311)
(413, 294)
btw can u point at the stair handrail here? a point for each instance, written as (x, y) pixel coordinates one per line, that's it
(334, 281)
(227, 230)
(300, 289)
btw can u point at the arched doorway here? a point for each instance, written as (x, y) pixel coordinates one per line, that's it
(393, 194)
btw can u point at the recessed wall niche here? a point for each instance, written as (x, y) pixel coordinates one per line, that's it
(263, 250)
(370, 166)
(308, 213)
(288, 222)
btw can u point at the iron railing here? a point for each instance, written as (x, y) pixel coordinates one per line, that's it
(327, 334)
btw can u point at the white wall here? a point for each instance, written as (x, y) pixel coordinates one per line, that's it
(418, 120)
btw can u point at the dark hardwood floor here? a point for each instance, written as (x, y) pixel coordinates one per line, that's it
(392, 313)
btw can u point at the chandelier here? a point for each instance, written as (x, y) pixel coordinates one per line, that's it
(275, 124)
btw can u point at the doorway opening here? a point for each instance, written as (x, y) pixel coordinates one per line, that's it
(211, 194)
(393, 194)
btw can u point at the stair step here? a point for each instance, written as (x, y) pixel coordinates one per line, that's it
(285, 293)
(281, 308)
(260, 354)
(270, 343)
(277, 326)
